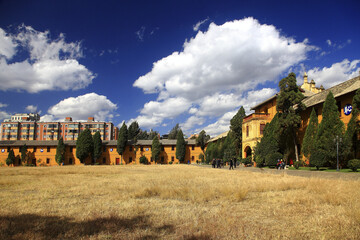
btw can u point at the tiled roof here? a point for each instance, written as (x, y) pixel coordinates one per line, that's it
(338, 90)
(222, 135)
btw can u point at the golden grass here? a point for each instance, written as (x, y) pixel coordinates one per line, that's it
(173, 202)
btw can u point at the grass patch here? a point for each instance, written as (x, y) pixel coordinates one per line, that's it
(173, 202)
(323, 169)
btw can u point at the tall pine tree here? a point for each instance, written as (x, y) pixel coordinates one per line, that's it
(236, 128)
(122, 140)
(352, 131)
(155, 149)
(330, 127)
(289, 117)
(310, 135)
(97, 146)
(11, 158)
(174, 132)
(180, 146)
(23, 153)
(60, 152)
(84, 146)
(202, 139)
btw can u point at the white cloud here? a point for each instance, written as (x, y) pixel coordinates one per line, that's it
(328, 42)
(52, 64)
(140, 33)
(3, 105)
(3, 114)
(191, 122)
(31, 108)
(217, 68)
(220, 126)
(82, 107)
(337, 73)
(198, 24)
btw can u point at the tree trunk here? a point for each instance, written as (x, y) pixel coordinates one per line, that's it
(296, 148)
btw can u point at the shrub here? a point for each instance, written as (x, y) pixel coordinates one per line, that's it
(354, 164)
(297, 164)
(246, 161)
(171, 162)
(271, 160)
(202, 157)
(144, 160)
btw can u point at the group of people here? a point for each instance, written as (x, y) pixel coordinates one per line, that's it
(280, 164)
(218, 163)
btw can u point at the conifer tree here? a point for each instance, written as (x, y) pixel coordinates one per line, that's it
(155, 149)
(180, 146)
(310, 135)
(84, 145)
(122, 140)
(202, 139)
(11, 158)
(353, 128)
(229, 147)
(60, 152)
(133, 131)
(289, 117)
(236, 128)
(23, 153)
(330, 127)
(174, 132)
(97, 146)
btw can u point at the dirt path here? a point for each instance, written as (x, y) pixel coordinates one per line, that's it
(298, 173)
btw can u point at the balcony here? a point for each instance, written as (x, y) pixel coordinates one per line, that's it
(256, 116)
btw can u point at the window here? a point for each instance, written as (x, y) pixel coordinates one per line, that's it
(172, 148)
(247, 131)
(192, 158)
(48, 161)
(192, 147)
(8, 149)
(141, 149)
(172, 158)
(162, 148)
(71, 149)
(262, 127)
(130, 159)
(34, 150)
(48, 149)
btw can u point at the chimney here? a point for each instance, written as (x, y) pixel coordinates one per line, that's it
(91, 119)
(68, 119)
(305, 78)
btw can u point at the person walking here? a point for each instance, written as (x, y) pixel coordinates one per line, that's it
(234, 162)
(231, 165)
(213, 163)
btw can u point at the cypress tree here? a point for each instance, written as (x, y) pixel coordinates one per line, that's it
(174, 132)
(84, 145)
(180, 146)
(209, 152)
(236, 128)
(122, 140)
(155, 149)
(11, 158)
(60, 152)
(229, 147)
(289, 117)
(330, 127)
(133, 131)
(352, 130)
(23, 153)
(97, 146)
(310, 135)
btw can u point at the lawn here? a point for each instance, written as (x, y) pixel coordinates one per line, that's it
(325, 169)
(173, 202)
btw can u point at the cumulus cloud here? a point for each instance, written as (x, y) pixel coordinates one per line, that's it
(3, 114)
(82, 107)
(217, 68)
(337, 73)
(52, 64)
(191, 122)
(31, 108)
(198, 24)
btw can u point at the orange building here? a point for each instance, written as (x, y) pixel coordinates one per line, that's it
(254, 124)
(43, 152)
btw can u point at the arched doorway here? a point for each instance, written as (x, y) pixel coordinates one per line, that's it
(248, 152)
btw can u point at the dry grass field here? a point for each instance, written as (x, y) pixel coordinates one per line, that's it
(173, 202)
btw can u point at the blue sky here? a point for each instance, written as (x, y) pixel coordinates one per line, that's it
(166, 62)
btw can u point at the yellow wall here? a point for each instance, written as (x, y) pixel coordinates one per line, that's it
(110, 155)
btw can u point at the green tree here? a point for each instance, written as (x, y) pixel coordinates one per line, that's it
(289, 117)
(174, 132)
(23, 153)
(152, 134)
(122, 140)
(330, 127)
(236, 128)
(310, 135)
(180, 146)
(97, 146)
(229, 147)
(11, 158)
(209, 153)
(84, 145)
(133, 131)
(143, 135)
(155, 149)
(269, 145)
(352, 131)
(202, 139)
(60, 152)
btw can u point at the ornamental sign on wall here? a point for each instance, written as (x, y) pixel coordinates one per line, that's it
(2, 150)
(347, 109)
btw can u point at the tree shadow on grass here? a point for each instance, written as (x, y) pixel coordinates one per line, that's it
(32, 226)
